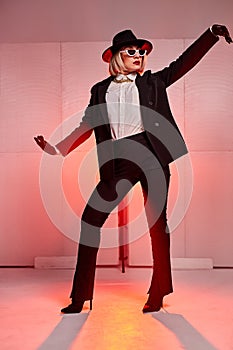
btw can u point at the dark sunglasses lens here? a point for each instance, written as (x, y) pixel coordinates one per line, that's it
(131, 52)
(142, 52)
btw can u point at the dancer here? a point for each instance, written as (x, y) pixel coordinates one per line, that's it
(137, 138)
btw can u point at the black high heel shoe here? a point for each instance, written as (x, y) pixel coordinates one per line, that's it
(152, 307)
(75, 308)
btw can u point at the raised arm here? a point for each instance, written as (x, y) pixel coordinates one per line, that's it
(193, 54)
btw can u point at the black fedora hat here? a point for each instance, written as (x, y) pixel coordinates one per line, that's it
(125, 38)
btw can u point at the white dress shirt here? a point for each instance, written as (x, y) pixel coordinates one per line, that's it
(124, 107)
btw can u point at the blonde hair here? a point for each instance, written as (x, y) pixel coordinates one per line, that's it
(117, 66)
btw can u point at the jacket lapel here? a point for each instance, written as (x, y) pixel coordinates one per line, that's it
(141, 83)
(102, 89)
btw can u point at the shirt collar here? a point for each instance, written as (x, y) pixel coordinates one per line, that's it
(131, 76)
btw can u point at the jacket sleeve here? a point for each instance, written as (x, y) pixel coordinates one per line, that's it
(190, 57)
(79, 134)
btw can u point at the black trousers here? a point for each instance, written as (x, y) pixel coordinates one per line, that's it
(134, 162)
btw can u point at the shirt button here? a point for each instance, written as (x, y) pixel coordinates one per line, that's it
(156, 124)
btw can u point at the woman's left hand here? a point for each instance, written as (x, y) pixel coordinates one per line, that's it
(221, 30)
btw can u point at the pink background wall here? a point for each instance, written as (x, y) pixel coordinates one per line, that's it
(49, 59)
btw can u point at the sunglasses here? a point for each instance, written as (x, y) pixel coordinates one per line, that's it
(131, 52)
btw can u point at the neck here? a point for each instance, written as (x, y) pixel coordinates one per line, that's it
(126, 72)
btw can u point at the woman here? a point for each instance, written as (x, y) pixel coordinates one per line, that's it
(137, 138)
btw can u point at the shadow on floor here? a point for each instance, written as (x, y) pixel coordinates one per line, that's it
(189, 337)
(65, 332)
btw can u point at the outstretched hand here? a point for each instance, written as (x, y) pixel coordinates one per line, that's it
(44, 145)
(222, 30)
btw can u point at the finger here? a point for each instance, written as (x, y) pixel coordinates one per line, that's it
(228, 39)
(36, 139)
(40, 137)
(40, 141)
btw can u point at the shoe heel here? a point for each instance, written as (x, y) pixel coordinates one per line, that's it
(90, 304)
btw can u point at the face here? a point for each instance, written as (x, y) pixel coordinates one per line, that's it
(132, 64)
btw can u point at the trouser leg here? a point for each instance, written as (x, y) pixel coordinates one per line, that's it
(104, 199)
(155, 190)
(83, 281)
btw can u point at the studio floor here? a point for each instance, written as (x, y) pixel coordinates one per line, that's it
(197, 316)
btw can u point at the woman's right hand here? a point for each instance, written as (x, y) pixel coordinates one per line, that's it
(45, 145)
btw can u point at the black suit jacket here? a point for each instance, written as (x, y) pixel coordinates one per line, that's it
(160, 126)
